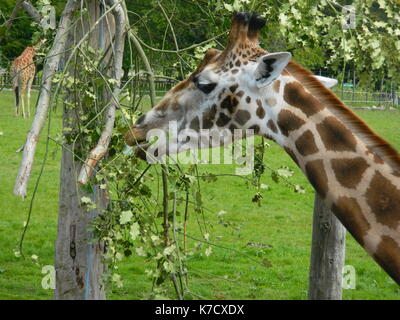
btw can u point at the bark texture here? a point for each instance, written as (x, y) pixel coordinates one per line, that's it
(78, 259)
(327, 254)
(78, 262)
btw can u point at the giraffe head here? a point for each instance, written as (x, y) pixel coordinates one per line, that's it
(230, 89)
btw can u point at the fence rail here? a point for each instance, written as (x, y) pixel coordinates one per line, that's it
(366, 98)
(6, 80)
(350, 97)
(161, 85)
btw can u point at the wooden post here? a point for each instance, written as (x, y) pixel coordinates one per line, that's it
(327, 254)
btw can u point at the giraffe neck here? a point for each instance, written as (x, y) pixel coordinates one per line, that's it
(362, 188)
(25, 59)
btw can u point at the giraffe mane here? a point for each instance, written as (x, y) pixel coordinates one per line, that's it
(374, 142)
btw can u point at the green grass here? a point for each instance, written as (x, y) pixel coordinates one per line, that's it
(279, 271)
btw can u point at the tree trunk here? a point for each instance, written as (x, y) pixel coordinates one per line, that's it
(78, 258)
(78, 261)
(327, 254)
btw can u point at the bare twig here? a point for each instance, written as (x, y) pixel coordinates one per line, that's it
(12, 17)
(146, 63)
(102, 146)
(183, 49)
(49, 70)
(31, 11)
(174, 37)
(164, 170)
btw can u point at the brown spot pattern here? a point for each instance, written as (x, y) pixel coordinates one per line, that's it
(248, 99)
(383, 198)
(348, 211)
(233, 87)
(288, 121)
(232, 127)
(229, 103)
(316, 174)
(335, 136)
(305, 144)
(256, 128)
(240, 93)
(195, 124)
(242, 116)
(209, 116)
(388, 257)
(222, 120)
(260, 112)
(272, 126)
(349, 171)
(295, 95)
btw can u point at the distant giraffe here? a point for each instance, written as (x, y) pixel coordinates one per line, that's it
(22, 73)
(355, 171)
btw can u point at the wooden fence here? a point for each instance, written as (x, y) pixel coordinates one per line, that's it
(161, 85)
(366, 98)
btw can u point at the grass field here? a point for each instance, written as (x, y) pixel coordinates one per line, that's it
(283, 224)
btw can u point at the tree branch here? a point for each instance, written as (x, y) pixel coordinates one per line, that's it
(102, 146)
(184, 49)
(13, 14)
(31, 11)
(50, 67)
(12, 17)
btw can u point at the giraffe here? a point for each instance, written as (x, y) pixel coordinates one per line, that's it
(354, 170)
(22, 73)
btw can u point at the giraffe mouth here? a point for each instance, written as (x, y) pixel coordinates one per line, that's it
(134, 136)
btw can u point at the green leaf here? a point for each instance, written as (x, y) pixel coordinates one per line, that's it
(116, 278)
(228, 7)
(140, 252)
(169, 266)
(169, 250)
(299, 189)
(86, 200)
(125, 217)
(135, 230)
(284, 172)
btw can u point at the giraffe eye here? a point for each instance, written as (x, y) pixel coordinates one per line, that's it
(205, 87)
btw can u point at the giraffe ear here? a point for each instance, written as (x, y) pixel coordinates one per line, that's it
(327, 82)
(270, 67)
